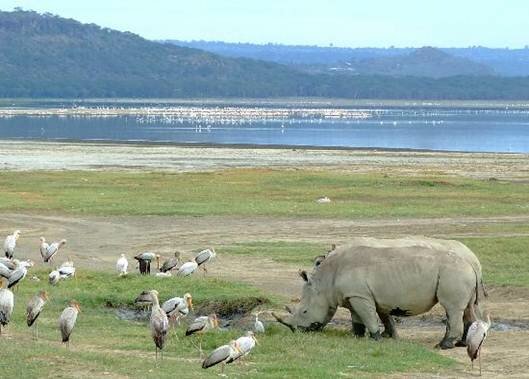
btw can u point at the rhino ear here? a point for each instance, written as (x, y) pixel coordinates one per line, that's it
(304, 275)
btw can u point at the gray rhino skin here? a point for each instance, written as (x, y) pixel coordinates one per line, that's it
(392, 277)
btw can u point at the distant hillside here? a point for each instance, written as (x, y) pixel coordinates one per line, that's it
(504, 62)
(424, 62)
(49, 56)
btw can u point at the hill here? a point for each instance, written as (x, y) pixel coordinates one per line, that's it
(42, 55)
(424, 62)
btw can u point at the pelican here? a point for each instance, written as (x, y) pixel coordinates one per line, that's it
(187, 268)
(205, 256)
(171, 263)
(51, 249)
(10, 243)
(7, 302)
(224, 354)
(34, 308)
(159, 324)
(258, 326)
(476, 335)
(145, 259)
(121, 265)
(201, 325)
(54, 277)
(177, 307)
(19, 274)
(67, 321)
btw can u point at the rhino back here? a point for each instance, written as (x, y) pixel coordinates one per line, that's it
(401, 276)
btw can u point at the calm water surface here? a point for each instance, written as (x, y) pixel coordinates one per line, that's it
(444, 129)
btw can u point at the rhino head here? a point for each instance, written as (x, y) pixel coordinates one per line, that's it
(314, 310)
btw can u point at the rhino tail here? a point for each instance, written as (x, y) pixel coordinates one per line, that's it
(479, 283)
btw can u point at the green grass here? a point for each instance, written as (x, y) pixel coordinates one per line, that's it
(259, 192)
(283, 252)
(104, 345)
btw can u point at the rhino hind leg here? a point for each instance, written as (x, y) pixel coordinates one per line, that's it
(366, 311)
(390, 329)
(359, 329)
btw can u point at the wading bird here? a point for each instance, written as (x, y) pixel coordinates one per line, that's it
(7, 302)
(19, 274)
(187, 268)
(10, 243)
(159, 324)
(204, 257)
(258, 325)
(171, 263)
(476, 335)
(67, 321)
(224, 354)
(177, 307)
(33, 310)
(246, 343)
(144, 260)
(201, 325)
(54, 277)
(122, 264)
(48, 252)
(66, 272)
(5, 272)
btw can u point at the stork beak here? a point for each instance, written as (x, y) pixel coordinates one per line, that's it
(190, 303)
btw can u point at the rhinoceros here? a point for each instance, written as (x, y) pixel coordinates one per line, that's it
(392, 277)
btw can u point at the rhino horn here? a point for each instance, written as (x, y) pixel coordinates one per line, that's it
(283, 321)
(304, 275)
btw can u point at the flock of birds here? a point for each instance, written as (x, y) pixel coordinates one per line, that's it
(12, 271)
(162, 317)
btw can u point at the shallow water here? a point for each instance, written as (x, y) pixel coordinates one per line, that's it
(485, 130)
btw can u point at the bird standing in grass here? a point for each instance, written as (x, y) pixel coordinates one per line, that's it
(10, 244)
(476, 335)
(122, 264)
(171, 263)
(177, 307)
(187, 268)
(224, 354)
(33, 310)
(7, 302)
(54, 277)
(246, 343)
(258, 325)
(159, 324)
(144, 260)
(201, 325)
(48, 252)
(67, 321)
(19, 273)
(204, 257)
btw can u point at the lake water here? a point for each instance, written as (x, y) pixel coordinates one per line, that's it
(477, 130)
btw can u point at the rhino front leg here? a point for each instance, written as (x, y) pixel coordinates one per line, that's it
(366, 311)
(359, 329)
(390, 329)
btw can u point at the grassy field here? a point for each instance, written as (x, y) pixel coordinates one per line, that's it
(259, 192)
(104, 345)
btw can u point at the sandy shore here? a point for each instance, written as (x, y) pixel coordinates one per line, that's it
(35, 155)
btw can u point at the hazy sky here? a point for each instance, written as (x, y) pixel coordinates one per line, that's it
(378, 23)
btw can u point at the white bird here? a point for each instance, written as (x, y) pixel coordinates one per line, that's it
(7, 302)
(34, 308)
(67, 321)
(187, 268)
(224, 354)
(246, 343)
(159, 324)
(258, 326)
(9, 263)
(51, 250)
(122, 264)
(10, 243)
(163, 274)
(201, 325)
(205, 256)
(5, 272)
(19, 274)
(66, 272)
(476, 335)
(177, 307)
(54, 277)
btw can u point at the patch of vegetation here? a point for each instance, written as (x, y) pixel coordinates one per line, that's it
(259, 192)
(104, 345)
(279, 251)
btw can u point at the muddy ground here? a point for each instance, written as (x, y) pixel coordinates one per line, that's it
(97, 241)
